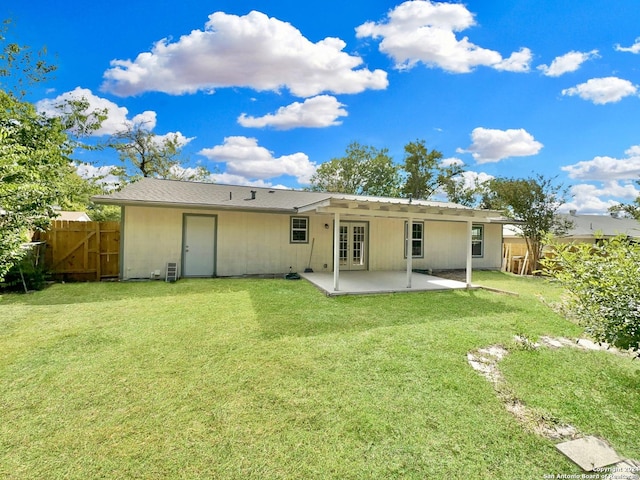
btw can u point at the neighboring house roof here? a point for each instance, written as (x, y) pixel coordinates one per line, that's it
(601, 225)
(591, 226)
(73, 216)
(174, 193)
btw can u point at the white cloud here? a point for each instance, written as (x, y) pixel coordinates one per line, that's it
(603, 90)
(317, 112)
(633, 151)
(588, 198)
(469, 179)
(105, 174)
(635, 48)
(472, 179)
(179, 138)
(245, 158)
(423, 31)
(519, 61)
(230, 179)
(607, 168)
(569, 62)
(490, 145)
(146, 119)
(448, 162)
(252, 51)
(117, 117)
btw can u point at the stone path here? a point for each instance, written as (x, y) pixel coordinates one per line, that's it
(588, 452)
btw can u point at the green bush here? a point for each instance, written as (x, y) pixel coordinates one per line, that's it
(603, 288)
(28, 273)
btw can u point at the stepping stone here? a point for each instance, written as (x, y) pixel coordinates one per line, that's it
(589, 453)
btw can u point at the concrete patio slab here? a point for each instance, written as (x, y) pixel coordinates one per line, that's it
(360, 283)
(589, 453)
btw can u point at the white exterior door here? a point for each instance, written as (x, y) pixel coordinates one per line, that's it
(199, 246)
(354, 245)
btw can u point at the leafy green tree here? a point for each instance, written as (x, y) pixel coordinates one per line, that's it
(34, 169)
(145, 154)
(76, 195)
(603, 292)
(364, 170)
(533, 204)
(20, 66)
(425, 173)
(459, 192)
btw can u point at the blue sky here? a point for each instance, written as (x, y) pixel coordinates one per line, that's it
(264, 91)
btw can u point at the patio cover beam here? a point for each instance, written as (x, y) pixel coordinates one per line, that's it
(437, 217)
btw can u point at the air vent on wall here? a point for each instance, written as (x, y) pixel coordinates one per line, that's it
(172, 272)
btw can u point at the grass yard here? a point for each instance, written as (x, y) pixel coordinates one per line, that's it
(269, 379)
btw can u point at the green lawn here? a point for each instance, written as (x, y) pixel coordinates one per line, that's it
(267, 379)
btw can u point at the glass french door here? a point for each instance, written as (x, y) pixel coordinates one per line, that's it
(353, 246)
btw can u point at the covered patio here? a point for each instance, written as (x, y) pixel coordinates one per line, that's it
(368, 282)
(359, 277)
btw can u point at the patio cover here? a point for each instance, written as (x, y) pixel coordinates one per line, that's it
(344, 206)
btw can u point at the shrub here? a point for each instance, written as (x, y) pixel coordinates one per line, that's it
(602, 283)
(28, 273)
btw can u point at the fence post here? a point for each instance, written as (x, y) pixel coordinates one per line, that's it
(98, 253)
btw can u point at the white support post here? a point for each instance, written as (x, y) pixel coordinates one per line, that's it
(409, 249)
(469, 267)
(336, 252)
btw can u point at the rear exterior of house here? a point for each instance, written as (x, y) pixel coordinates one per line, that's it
(219, 230)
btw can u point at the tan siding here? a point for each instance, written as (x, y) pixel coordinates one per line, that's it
(445, 245)
(151, 238)
(258, 243)
(492, 258)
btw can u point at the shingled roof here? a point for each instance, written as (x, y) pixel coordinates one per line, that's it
(151, 191)
(606, 225)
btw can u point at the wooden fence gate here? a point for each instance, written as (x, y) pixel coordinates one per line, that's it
(82, 251)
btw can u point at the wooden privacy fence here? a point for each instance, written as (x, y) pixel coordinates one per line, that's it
(82, 251)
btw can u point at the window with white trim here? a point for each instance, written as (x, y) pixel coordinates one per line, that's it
(477, 240)
(299, 230)
(417, 239)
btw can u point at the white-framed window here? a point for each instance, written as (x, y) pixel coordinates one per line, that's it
(477, 240)
(417, 239)
(299, 230)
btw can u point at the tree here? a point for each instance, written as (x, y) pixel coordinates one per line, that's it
(20, 67)
(628, 209)
(425, 173)
(145, 154)
(532, 203)
(603, 292)
(463, 192)
(364, 170)
(34, 169)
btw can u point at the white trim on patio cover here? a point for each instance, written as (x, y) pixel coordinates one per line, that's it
(410, 210)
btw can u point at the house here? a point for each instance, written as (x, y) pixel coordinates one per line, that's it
(72, 216)
(586, 228)
(582, 229)
(223, 230)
